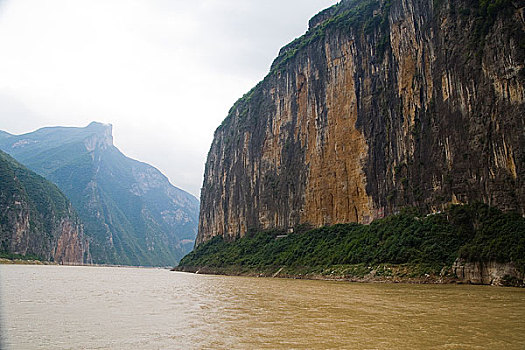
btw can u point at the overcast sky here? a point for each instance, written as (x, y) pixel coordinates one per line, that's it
(163, 72)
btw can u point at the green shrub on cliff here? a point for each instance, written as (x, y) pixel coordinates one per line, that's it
(474, 232)
(489, 8)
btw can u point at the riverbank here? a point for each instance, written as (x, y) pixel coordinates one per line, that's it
(504, 275)
(349, 273)
(464, 244)
(6, 261)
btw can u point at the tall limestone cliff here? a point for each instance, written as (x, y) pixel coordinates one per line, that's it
(131, 213)
(36, 219)
(382, 104)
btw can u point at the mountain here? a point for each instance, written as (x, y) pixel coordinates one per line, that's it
(36, 219)
(381, 105)
(130, 211)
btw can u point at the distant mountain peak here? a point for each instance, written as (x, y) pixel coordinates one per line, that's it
(131, 213)
(102, 136)
(102, 127)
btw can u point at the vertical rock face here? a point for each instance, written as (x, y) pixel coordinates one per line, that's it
(492, 272)
(71, 246)
(36, 219)
(380, 105)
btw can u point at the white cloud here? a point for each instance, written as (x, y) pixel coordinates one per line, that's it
(163, 72)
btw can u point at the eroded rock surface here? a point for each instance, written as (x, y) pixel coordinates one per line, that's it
(380, 105)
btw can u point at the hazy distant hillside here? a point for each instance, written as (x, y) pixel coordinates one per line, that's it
(130, 210)
(36, 219)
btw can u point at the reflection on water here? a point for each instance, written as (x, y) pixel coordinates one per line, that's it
(58, 307)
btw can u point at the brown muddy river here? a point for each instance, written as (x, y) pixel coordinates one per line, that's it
(59, 307)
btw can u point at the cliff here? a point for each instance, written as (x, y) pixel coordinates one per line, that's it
(36, 219)
(379, 106)
(491, 272)
(131, 213)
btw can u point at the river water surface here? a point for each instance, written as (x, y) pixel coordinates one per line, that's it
(59, 307)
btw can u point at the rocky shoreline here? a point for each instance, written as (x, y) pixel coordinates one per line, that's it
(492, 273)
(4, 261)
